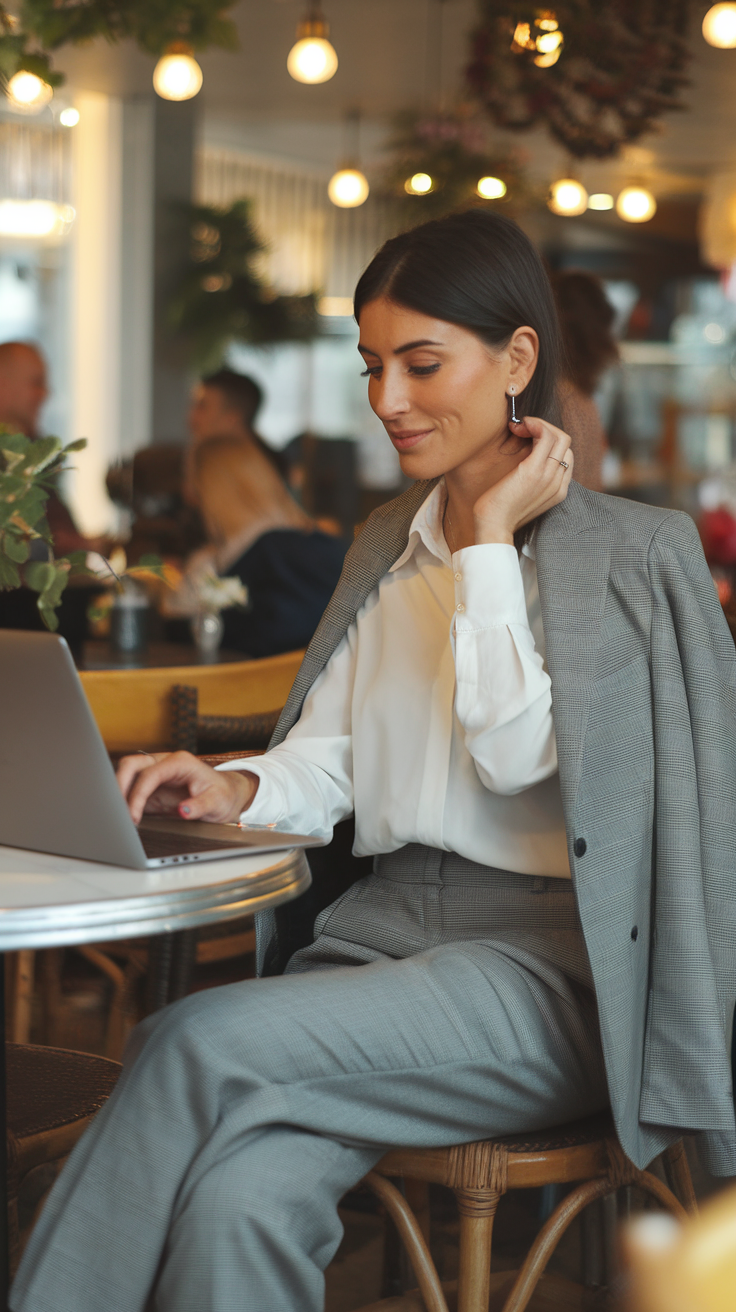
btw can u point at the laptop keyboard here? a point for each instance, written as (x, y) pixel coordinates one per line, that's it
(157, 845)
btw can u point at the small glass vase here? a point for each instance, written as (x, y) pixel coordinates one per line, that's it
(207, 630)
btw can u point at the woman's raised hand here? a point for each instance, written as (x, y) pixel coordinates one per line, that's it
(177, 783)
(539, 482)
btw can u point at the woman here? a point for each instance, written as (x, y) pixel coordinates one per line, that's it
(469, 987)
(586, 324)
(258, 533)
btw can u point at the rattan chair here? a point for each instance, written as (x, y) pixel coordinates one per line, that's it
(52, 1095)
(584, 1153)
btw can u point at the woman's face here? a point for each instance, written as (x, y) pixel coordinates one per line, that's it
(439, 391)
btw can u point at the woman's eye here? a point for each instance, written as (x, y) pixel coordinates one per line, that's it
(422, 370)
(371, 373)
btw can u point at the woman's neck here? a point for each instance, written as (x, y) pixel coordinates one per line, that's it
(469, 481)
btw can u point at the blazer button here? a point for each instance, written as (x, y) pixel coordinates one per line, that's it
(580, 847)
(634, 933)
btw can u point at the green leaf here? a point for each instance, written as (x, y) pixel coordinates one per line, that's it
(39, 575)
(9, 576)
(48, 615)
(79, 445)
(16, 549)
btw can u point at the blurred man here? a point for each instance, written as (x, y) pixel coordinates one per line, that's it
(23, 390)
(224, 404)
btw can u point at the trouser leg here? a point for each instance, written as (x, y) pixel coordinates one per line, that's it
(243, 1114)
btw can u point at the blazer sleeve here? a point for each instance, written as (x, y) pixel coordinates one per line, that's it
(693, 964)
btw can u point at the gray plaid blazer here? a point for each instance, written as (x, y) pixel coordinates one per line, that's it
(643, 671)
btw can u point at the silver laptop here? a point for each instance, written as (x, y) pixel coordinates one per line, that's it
(58, 791)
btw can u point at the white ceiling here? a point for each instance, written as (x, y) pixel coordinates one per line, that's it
(388, 61)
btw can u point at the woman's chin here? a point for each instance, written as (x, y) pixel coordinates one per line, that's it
(419, 465)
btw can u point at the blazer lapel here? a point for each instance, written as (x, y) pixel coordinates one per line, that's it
(573, 553)
(374, 551)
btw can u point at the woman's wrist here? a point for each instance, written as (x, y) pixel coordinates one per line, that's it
(246, 785)
(488, 532)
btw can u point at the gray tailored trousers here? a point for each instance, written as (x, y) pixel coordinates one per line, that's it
(441, 1002)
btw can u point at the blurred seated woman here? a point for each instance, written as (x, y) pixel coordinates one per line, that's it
(257, 532)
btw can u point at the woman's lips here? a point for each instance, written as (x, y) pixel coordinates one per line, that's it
(404, 441)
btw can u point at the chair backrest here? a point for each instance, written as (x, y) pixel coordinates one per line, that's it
(133, 707)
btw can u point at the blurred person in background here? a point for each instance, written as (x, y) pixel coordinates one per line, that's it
(224, 405)
(23, 390)
(257, 532)
(589, 347)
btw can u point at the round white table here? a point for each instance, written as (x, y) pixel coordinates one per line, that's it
(51, 901)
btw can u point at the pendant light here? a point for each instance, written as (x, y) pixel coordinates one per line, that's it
(491, 188)
(601, 200)
(348, 187)
(636, 205)
(567, 196)
(313, 58)
(28, 93)
(719, 26)
(177, 75)
(419, 184)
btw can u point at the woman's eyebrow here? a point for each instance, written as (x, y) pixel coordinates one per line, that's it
(408, 346)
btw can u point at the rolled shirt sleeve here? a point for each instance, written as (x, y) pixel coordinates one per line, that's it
(503, 692)
(306, 782)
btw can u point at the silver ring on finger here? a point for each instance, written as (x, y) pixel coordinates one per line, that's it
(564, 463)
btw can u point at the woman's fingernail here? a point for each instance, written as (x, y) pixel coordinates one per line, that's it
(184, 810)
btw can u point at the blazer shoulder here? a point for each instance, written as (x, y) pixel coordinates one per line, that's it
(641, 523)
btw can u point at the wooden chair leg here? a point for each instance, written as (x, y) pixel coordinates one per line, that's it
(679, 1179)
(413, 1240)
(477, 1209)
(22, 995)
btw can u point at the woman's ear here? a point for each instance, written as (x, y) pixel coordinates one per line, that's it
(523, 353)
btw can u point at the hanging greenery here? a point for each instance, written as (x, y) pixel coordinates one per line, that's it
(42, 26)
(597, 73)
(451, 150)
(222, 297)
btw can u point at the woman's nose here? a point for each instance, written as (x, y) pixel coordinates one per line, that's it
(389, 398)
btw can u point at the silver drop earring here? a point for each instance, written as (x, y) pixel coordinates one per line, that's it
(513, 418)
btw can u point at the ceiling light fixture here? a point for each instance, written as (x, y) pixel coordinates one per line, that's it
(348, 188)
(419, 184)
(600, 200)
(69, 118)
(177, 75)
(542, 37)
(636, 205)
(719, 26)
(35, 218)
(491, 188)
(568, 197)
(28, 92)
(313, 58)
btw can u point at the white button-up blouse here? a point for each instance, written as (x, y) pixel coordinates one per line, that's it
(432, 719)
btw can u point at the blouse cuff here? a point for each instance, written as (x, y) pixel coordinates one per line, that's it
(489, 589)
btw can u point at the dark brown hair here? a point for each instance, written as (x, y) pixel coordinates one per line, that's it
(479, 270)
(586, 321)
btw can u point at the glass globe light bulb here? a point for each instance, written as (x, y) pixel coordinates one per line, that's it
(348, 188)
(491, 188)
(312, 60)
(567, 196)
(600, 200)
(177, 75)
(69, 117)
(419, 184)
(636, 205)
(719, 26)
(28, 92)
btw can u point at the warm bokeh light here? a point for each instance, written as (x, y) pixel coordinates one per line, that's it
(177, 75)
(636, 205)
(547, 42)
(418, 184)
(546, 61)
(69, 118)
(34, 218)
(28, 92)
(335, 307)
(348, 188)
(567, 196)
(491, 188)
(312, 60)
(600, 200)
(719, 26)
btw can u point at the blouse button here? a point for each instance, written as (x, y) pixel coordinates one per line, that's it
(458, 577)
(460, 606)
